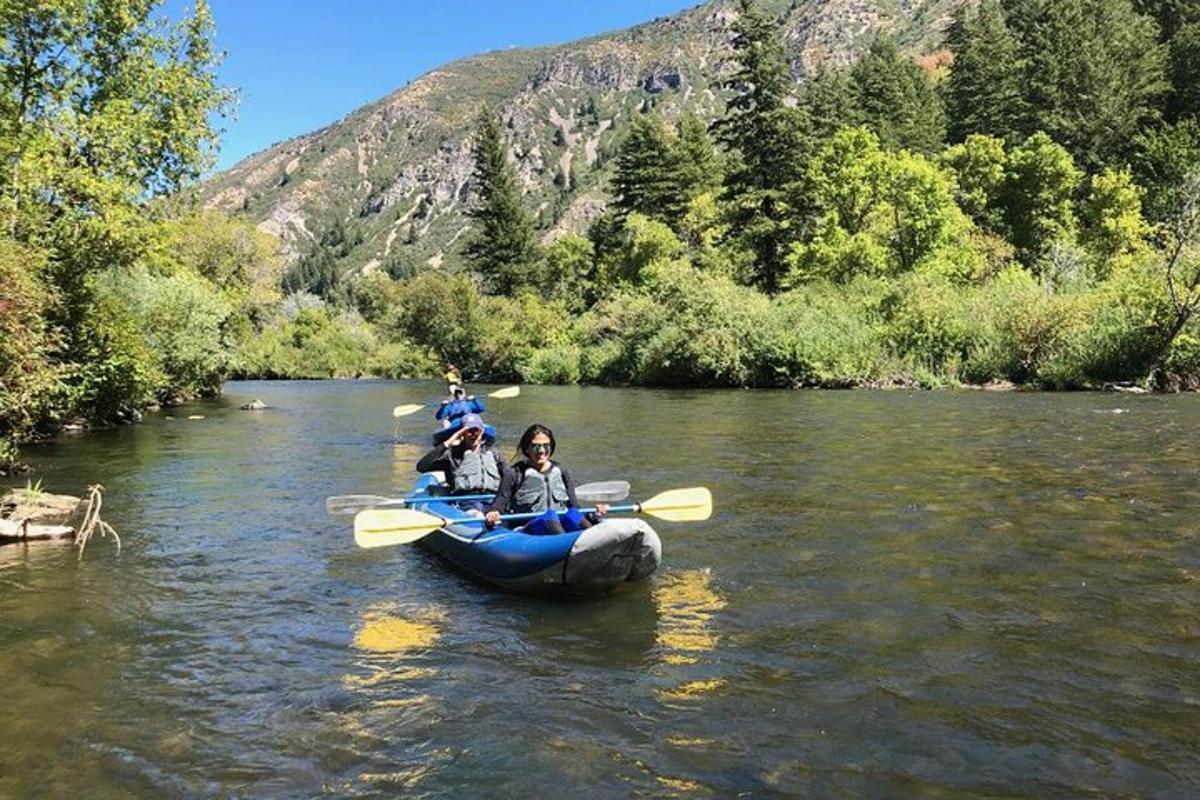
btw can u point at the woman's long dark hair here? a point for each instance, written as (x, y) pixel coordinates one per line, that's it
(527, 439)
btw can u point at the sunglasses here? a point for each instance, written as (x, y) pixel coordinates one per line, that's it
(539, 446)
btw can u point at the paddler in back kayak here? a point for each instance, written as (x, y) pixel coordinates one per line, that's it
(538, 483)
(458, 404)
(470, 463)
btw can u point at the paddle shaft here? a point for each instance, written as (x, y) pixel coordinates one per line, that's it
(636, 507)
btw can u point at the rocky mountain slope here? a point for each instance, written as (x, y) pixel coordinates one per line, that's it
(396, 173)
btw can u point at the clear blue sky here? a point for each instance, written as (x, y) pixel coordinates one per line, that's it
(303, 64)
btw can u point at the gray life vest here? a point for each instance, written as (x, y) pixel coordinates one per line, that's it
(538, 492)
(478, 471)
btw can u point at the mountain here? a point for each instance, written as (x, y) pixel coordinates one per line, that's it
(387, 186)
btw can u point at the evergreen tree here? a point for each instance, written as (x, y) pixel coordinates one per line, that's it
(503, 250)
(1185, 69)
(1094, 72)
(828, 100)
(983, 92)
(897, 99)
(698, 162)
(765, 138)
(647, 177)
(1169, 14)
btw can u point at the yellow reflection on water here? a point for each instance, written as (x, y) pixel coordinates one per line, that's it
(387, 636)
(395, 635)
(680, 785)
(693, 689)
(686, 604)
(405, 456)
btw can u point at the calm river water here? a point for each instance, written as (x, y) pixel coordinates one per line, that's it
(899, 595)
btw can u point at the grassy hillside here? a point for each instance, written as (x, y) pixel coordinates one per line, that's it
(396, 173)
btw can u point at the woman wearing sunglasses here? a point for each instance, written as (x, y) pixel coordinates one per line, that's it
(538, 483)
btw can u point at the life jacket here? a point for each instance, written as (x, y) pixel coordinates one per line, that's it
(478, 471)
(448, 412)
(541, 491)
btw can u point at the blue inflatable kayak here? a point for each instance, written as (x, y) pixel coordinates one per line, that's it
(590, 561)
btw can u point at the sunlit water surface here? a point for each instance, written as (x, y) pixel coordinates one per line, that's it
(932, 594)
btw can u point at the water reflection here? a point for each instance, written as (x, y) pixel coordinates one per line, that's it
(687, 603)
(386, 637)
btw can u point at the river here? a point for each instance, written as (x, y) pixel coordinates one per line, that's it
(899, 594)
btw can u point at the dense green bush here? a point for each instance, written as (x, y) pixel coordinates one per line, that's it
(822, 334)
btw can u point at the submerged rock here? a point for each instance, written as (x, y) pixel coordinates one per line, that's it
(254, 405)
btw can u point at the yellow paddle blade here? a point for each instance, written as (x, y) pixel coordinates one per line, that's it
(505, 394)
(404, 411)
(680, 505)
(380, 527)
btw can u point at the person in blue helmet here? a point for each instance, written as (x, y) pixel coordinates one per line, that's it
(469, 461)
(538, 483)
(458, 404)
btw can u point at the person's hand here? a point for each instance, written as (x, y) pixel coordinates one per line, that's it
(455, 439)
(601, 509)
(492, 518)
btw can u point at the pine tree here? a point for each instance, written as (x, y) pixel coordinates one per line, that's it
(1185, 69)
(766, 140)
(897, 99)
(1094, 72)
(699, 164)
(503, 250)
(983, 92)
(646, 181)
(828, 100)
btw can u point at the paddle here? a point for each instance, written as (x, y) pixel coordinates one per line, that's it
(598, 492)
(382, 527)
(412, 408)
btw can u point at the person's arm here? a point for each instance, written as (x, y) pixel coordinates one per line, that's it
(478, 404)
(436, 459)
(573, 501)
(503, 500)
(569, 482)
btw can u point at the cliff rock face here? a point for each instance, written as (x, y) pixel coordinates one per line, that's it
(397, 173)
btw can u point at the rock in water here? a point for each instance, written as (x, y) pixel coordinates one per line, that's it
(254, 405)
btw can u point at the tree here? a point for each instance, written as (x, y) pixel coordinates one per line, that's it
(648, 166)
(766, 138)
(660, 170)
(1112, 216)
(503, 250)
(700, 166)
(1185, 69)
(828, 100)
(1039, 196)
(1094, 74)
(1163, 159)
(1180, 235)
(896, 99)
(104, 108)
(983, 92)
(979, 165)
